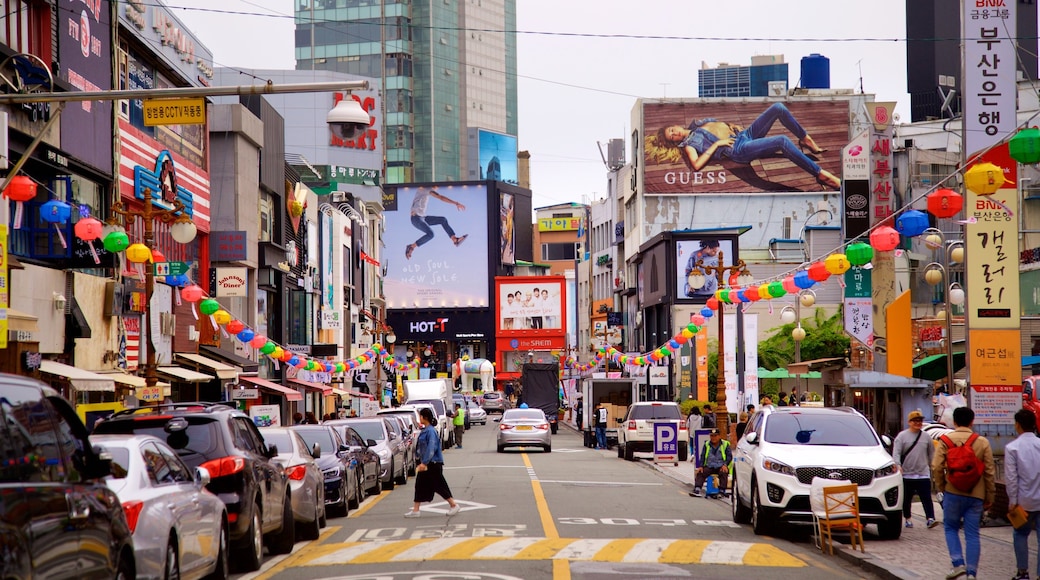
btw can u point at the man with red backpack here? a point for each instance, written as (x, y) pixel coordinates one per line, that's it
(964, 472)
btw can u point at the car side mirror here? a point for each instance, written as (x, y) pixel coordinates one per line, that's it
(751, 438)
(316, 450)
(886, 441)
(371, 443)
(202, 477)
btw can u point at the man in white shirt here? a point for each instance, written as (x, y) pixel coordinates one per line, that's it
(1022, 479)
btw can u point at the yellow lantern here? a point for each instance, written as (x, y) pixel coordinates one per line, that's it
(277, 353)
(138, 254)
(763, 292)
(837, 264)
(957, 254)
(933, 276)
(984, 178)
(221, 317)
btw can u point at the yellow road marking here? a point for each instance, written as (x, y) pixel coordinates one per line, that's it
(465, 550)
(364, 507)
(561, 568)
(615, 551)
(544, 549)
(387, 551)
(684, 551)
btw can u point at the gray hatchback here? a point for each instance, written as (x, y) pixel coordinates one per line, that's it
(494, 402)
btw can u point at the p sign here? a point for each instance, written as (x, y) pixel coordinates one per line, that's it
(666, 442)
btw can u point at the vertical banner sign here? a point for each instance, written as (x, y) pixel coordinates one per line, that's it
(666, 442)
(855, 181)
(750, 361)
(881, 191)
(990, 87)
(702, 363)
(730, 364)
(859, 314)
(4, 292)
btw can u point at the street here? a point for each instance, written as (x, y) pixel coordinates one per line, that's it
(575, 513)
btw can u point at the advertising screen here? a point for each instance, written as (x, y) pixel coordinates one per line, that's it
(496, 156)
(706, 251)
(738, 147)
(533, 305)
(437, 247)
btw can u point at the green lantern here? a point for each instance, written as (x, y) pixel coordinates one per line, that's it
(859, 253)
(1024, 147)
(209, 306)
(116, 242)
(268, 347)
(724, 296)
(776, 289)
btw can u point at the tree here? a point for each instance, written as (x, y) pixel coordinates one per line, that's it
(824, 338)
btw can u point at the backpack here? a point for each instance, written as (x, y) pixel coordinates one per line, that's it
(963, 468)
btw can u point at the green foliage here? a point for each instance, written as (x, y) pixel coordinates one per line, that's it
(824, 338)
(688, 404)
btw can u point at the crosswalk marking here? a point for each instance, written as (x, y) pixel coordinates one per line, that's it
(629, 550)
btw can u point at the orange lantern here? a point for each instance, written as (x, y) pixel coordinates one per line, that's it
(945, 203)
(20, 189)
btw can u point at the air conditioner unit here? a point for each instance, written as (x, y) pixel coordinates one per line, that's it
(339, 197)
(777, 88)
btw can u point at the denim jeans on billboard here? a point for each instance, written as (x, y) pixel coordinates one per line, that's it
(752, 143)
(1022, 542)
(423, 223)
(962, 511)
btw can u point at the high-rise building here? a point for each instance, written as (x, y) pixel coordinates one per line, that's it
(445, 67)
(730, 80)
(933, 55)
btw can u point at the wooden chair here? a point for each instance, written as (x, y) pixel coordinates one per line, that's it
(840, 512)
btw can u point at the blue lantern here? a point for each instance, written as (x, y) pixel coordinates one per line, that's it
(707, 312)
(295, 360)
(911, 223)
(802, 280)
(246, 335)
(56, 212)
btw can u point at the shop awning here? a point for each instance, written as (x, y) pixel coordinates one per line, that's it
(186, 375)
(933, 368)
(21, 321)
(289, 394)
(248, 365)
(135, 381)
(222, 370)
(324, 389)
(80, 379)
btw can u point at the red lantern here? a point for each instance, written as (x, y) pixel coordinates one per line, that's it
(884, 239)
(818, 272)
(945, 203)
(88, 229)
(712, 303)
(192, 293)
(789, 285)
(235, 327)
(752, 294)
(20, 189)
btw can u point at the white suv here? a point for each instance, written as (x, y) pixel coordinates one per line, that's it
(636, 431)
(784, 448)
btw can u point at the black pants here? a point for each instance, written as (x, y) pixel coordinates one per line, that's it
(430, 482)
(703, 475)
(921, 488)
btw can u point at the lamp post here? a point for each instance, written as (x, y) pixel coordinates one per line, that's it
(696, 280)
(793, 314)
(939, 272)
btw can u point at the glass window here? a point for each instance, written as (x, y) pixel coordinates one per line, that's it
(179, 471)
(158, 472)
(279, 439)
(645, 412)
(560, 251)
(370, 430)
(323, 437)
(29, 446)
(268, 217)
(301, 304)
(819, 429)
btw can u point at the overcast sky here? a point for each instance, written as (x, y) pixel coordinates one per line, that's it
(582, 63)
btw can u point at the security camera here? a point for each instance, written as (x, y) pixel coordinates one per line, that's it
(347, 119)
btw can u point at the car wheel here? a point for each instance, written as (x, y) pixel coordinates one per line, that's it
(343, 507)
(411, 468)
(548, 448)
(403, 478)
(892, 527)
(324, 520)
(282, 541)
(630, 454)
(125, 568)
(759, 519)
(173, 564)
(501, 448)
(252, 553)
(377, 487)
(311, 530)
(741, 514)
(222, 569)
(356, 500)
(620, 450)
(389, 484)
(683, 453)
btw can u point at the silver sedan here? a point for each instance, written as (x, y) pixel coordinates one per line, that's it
(306, 481)
(524, 427)
(476, 414)
(180, 529)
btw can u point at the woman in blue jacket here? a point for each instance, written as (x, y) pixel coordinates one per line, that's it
(430, 471)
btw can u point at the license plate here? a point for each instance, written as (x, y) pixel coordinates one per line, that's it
(523, 428)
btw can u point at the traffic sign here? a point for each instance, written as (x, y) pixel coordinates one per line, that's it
(171, 268)
(187, 111)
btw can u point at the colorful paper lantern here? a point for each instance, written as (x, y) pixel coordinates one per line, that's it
(752, 294)
(192, 293)
(235, 326)
(945, 203)
(818, 272)
(246, 335)
(912, 223)
(56, 212)
(707, 312)
(984, 178)
(88, 229)
(697, 320)
(712, 303)
(776, 289)
(209, 306)
(837, 264)
(859, 253)
(884, 239)
(763, 291)
(293, 360)
(1024, 147)
(138, 254)
(802, 280)
(788, 284)
(268, 347)
(20, 189)
(258, 341)
(221, 317)
(116, 242)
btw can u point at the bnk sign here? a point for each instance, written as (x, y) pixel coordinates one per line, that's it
(428, 325)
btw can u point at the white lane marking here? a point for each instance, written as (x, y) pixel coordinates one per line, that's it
(464, 506)
(646, 551)
(725, 553)
(485, 467)
(581, 550)
(599, 483)
(428, 550)
(506, 548)
(348, 554)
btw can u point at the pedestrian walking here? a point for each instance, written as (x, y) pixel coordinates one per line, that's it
(964, 472)
(429, 478)
(694, 421)
(914, 459)
(600, 423)
(715, 459)
(459, 421)
(708, 421)
(1021, 457)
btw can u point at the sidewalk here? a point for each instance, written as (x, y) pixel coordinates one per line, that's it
(919, 553)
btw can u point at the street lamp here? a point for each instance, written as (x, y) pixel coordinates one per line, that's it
(936, 273)
(696, 280)
(793, 314)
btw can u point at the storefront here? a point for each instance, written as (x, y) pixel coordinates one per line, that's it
(440, 337)
(264, 394)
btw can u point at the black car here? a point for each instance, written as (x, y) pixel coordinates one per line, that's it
(343, 487)
(243, 474)
(367, 459)
(52, 492)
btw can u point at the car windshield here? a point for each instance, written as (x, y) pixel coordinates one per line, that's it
(437, 404)
(524, 415)
(369, 430)
(472, 405)
(491, 396)
(279, 439)
(819, 429)
(644, 412)
(323, 437)
(195, 444)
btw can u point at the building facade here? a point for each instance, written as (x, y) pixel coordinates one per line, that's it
(730, 80)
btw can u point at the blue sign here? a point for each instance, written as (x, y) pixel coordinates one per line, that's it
(666, 442)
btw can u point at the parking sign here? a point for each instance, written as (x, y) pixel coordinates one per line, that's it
(666, 442)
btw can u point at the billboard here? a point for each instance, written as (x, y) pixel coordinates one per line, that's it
(531, 304)
(436, 246)
(507, 213)
(493, 156)
(85, 52)
(741, 147)
(706, 251)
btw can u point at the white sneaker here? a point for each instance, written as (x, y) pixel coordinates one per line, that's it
(412, 514)
(453, 511)
(957, 572)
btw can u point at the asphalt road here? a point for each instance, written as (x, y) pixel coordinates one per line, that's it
(575, 513)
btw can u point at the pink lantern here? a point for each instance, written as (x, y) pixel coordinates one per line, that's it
(258, 341)
(192, 293)
(789, 285)
(884, 239)
(89, 229)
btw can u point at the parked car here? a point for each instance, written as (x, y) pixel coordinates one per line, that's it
(53, 494)
(180, 529)
(494, 402)
(359, 450)
(636, 430)
(784, 448)
(306, 482)
(524, 427)
(409, 438)
(243, 473)
(380, 437)
(342, 482)
(475, 413)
